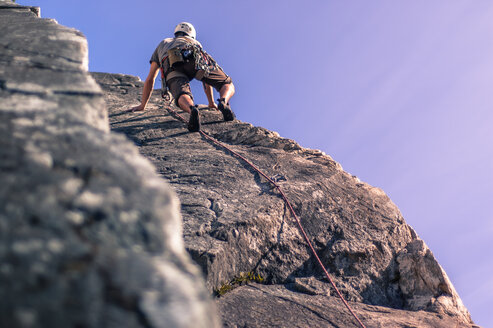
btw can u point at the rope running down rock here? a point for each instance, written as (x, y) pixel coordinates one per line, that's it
(288, 203)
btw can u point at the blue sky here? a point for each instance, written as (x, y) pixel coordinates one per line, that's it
(398, 92)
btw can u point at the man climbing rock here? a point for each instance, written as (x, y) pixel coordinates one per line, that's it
(182, 59)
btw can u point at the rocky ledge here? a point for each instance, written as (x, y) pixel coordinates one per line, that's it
(236, 225)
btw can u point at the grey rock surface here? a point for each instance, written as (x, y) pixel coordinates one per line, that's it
(276, 306)
(90, 235)
(235, 222)
(421, 277)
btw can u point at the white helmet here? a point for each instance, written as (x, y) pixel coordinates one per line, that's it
(186, 28)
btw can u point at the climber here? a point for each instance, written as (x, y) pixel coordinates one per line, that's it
(182, 59)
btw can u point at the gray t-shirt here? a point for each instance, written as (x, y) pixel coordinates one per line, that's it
(170, 43)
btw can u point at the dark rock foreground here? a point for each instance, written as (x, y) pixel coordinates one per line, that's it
(91, 236)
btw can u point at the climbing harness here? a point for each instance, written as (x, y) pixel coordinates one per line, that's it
(286, 200)
(177, 57)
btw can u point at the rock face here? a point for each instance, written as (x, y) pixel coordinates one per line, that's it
(235, 222)
(90, 235)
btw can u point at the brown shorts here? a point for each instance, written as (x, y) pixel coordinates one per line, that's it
(181, 85)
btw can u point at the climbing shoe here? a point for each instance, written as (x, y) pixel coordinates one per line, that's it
(226, 110)
(194, 121)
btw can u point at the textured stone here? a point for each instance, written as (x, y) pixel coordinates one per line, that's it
(425, 285)
(276, 306)
(90, 236)
(234, 221)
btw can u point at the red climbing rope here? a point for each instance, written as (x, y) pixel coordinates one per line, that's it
(288, 203)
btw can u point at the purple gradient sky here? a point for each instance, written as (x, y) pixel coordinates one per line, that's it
(399, 92)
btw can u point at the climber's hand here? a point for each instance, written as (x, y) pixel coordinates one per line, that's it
(138, 108)
(212, 105)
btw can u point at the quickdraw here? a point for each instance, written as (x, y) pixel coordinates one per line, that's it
(165, 94)
(204, 63)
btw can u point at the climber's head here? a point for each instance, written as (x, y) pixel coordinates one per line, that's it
(185, 28)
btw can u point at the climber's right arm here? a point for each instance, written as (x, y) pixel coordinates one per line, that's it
(148, 86)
